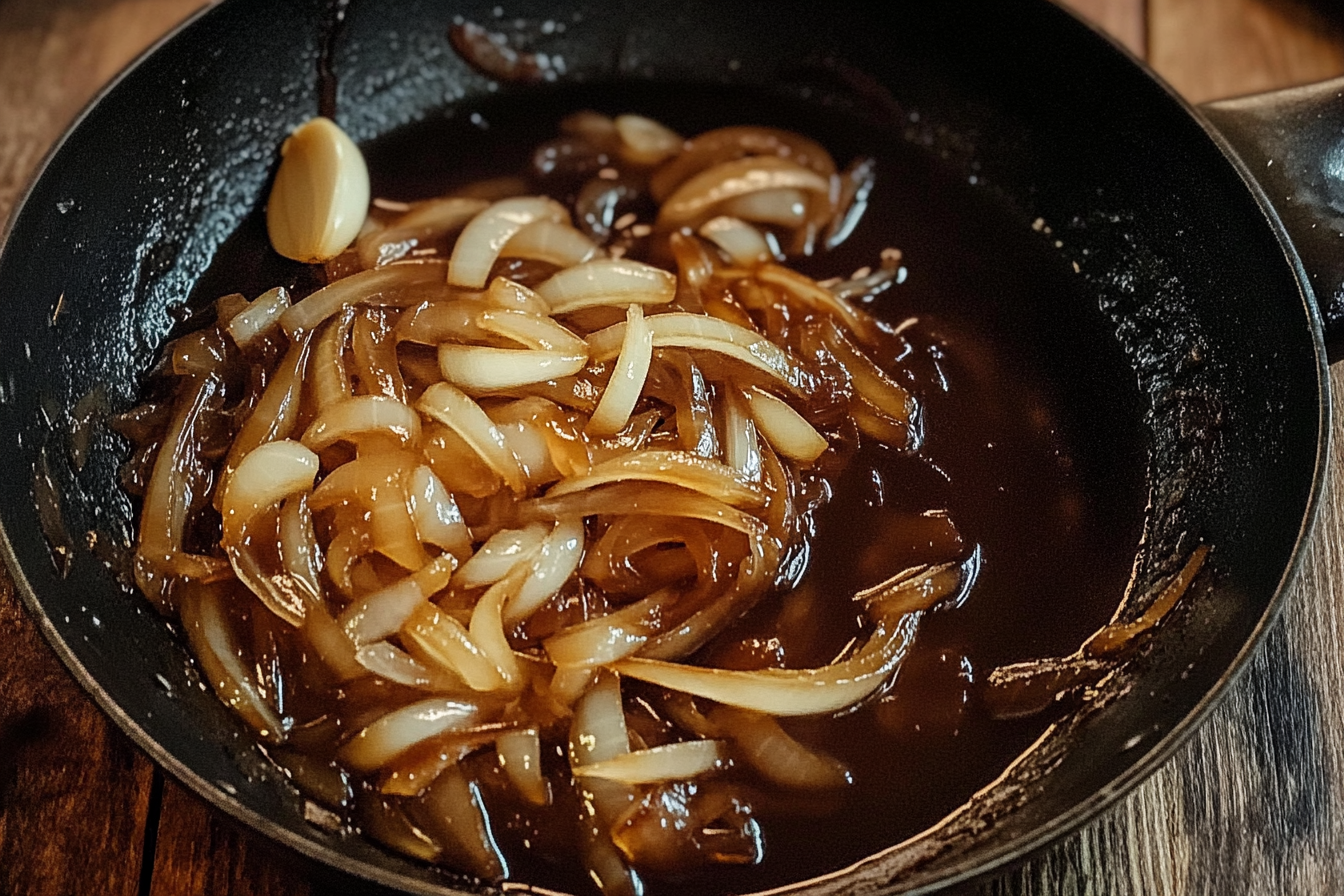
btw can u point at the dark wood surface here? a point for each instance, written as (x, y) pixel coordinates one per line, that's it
(1254, 803)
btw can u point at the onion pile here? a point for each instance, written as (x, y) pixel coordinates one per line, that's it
(457, 532)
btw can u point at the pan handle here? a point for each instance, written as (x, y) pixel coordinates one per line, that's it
(1292, 141)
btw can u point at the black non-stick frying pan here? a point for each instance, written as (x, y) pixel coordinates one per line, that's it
(1180, 259)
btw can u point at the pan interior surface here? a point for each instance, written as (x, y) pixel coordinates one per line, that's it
(1139, 258)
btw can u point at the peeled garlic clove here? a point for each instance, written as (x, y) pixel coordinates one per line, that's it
(320, 195)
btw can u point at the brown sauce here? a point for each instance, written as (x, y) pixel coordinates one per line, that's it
(1034, 447)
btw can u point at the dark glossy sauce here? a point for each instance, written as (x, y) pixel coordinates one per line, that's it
(1034, 448)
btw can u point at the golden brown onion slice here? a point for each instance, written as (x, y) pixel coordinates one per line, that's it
(613, 281)
(723, 144)
(397, 731)
(481, 240)
(266, 476)
(789, 692)
(207, 626)
(679, 468)
(397, 285)
(627, 378)
(459, 413)
(769, 749)
(669, 762)
(520, 756)
(652, 498)
(426, 223)
(698, 198)
(481, 368)
(361, 417)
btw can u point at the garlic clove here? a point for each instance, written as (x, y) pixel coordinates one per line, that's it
(320, 195)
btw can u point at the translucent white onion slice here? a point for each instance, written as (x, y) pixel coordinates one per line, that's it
(700, 332)
(501, 552)
(437, 518)
(769, 749)
(627, 379)
(434, 636)
(208, 634)
(483, 368)
(394, 664)
(605, 639)
(744, 244)
(508, 294)
(741, 446)
(459, 413)
(264, 477)
(670, 762)
(608, 282)
(785, 429)
(361, 416)
(554, 563)
(555, 242)
(381, 613)
(696, 198)
(381, 286)
(259, 318)
(811, 293)
(680, 468)
(533, 330)
(598, 732)
(481, 240)
(398, 731)
(487, 627)
(789, 692)
(784, 207)
(520, 757)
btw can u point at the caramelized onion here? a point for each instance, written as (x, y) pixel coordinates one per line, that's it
(482, 239)
(484, 491)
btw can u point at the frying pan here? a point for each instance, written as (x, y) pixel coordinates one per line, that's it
(1180, 252)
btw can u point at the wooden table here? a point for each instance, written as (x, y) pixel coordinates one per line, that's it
(1254, 803)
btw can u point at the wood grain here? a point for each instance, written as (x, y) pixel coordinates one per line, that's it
(1213, 49)
(1254, 803)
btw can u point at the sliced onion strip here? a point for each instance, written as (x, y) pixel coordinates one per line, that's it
(482, 368)
(627, 378)
(607, 282)
(481, 240)
(398, 731)
(680, 468)
(259, 318)
(397, 284)
(204, 620)
(789, 692)
(786, 430)
(360, 417)
(459, 413)
(554, 242)
(382, 613)
(670, 762)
